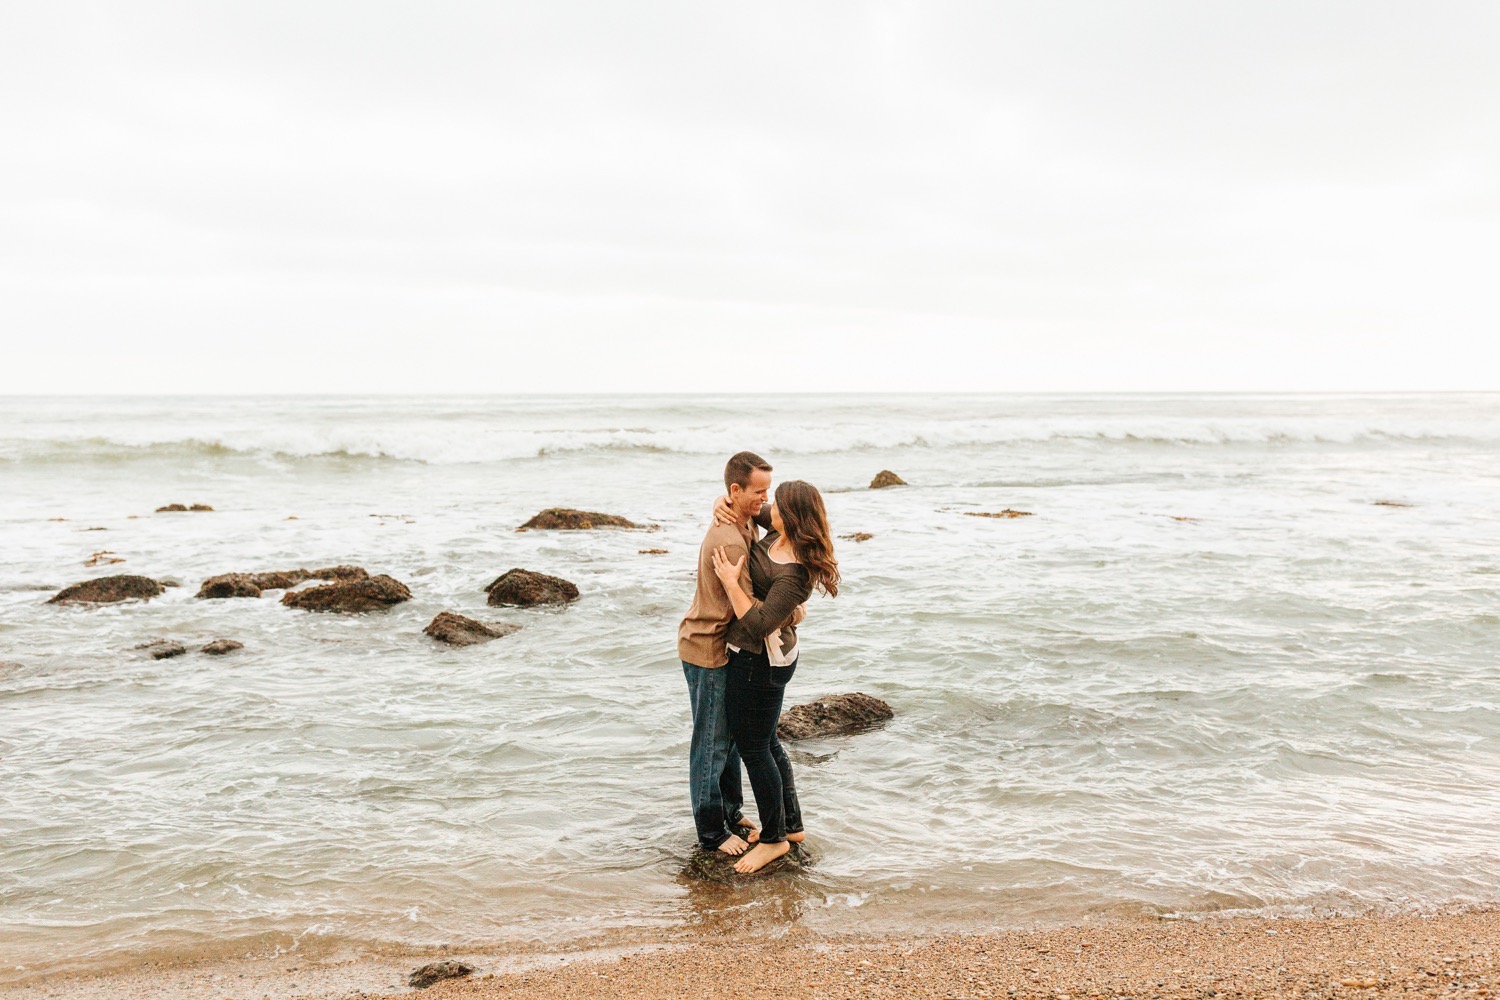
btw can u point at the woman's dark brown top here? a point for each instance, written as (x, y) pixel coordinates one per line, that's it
(779, 588)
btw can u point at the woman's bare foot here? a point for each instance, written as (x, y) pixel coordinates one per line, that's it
(733, 846)
(753, 837)
(760, 855)
(795, 838)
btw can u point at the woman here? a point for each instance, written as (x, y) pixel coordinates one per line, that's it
(795, 557)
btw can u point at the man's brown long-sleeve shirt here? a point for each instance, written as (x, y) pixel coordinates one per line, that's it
(700, 637)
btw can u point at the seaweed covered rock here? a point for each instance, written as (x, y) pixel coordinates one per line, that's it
(162, 649)
(436, 972)
(375, 593)
(833, 715)
(251, 584)
(456, 630)
(523, 588)
(109, 590)
(884, 478)
(567, 519)
(221, 646)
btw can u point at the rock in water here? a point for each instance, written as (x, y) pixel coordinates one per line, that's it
(567, 519)
(716, 866)
(162, 649)
(173, 507)
(523, 588)
(1006, 513)
(108, 590)
(338, 573)
(251, 584)
(456, 630)
(884, 478)
(435, 972)
(221, 646)
(858, 536)
(234, 585)
(833, 715)
(374, 593)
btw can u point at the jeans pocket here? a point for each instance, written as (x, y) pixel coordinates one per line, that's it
(782, 676)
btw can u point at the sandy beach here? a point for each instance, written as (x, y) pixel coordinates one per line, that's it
(1453, 954)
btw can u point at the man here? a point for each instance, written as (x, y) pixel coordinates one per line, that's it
(713, 761)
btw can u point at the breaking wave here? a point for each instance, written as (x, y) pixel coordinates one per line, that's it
(477, 441)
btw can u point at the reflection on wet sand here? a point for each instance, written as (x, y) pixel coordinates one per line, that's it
(721, 901)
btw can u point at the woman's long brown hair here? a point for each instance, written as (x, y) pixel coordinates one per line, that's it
(806, 522)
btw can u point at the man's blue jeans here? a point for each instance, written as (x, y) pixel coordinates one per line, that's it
(713, 760)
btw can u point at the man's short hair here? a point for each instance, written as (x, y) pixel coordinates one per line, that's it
(740, 466)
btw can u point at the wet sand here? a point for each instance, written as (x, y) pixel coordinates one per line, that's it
(1450, 954)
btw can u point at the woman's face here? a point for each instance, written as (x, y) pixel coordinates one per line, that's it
(776, 524)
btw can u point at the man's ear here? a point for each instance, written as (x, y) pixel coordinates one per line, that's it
(735, 489)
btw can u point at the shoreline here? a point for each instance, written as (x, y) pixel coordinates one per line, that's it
(1454, 952)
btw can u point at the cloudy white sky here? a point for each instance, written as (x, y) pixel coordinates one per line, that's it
(370, 196)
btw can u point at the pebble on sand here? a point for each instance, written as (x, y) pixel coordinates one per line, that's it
(435, 972)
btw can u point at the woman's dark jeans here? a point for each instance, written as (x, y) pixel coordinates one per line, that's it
(753, 703)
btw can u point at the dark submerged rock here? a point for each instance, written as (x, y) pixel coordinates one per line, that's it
(162, 649)
(109, 590)
(456, 630)
(374, 593)
(567, 519)
(884, 478)
(858, 536)
(716, 866)
(524, 588)
(173, 507)
(436, 972)
(833, 715)
(221, 646)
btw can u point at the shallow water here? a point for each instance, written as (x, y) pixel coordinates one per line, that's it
(1291, 701)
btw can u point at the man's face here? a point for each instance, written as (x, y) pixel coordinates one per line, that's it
(747, 500)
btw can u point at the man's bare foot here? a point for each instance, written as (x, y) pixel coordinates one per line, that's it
(733, 846)
(795, 838)
(760, 855)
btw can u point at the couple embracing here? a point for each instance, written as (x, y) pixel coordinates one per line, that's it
(738, 646)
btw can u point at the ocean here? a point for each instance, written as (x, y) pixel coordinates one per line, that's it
(1241, 657)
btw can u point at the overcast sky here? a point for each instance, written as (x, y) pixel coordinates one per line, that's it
(556, 196)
